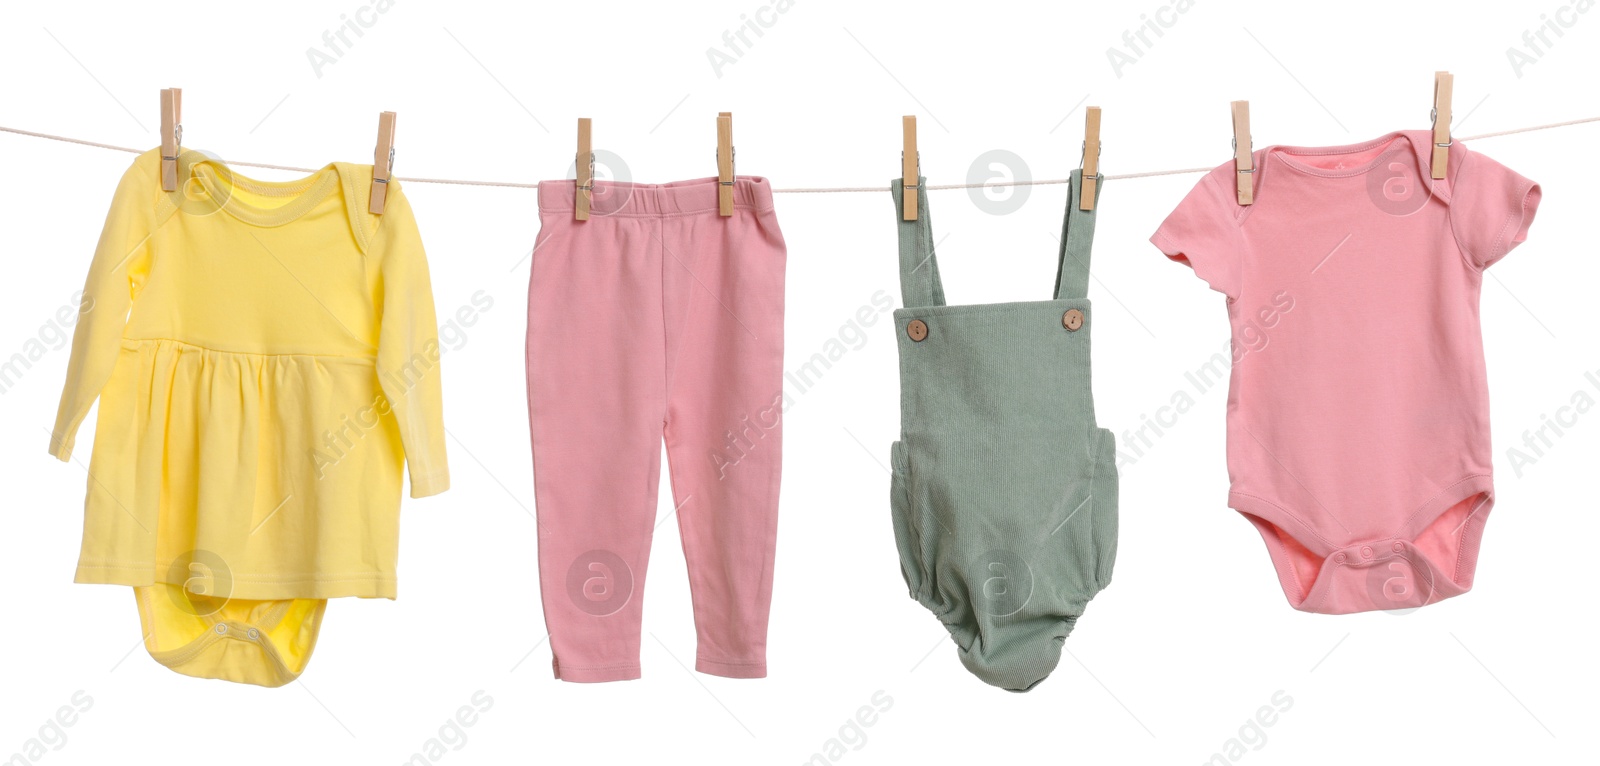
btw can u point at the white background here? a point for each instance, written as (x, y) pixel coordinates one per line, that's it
(1168, 664)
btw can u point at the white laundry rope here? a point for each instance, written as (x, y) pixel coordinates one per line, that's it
(795, 190)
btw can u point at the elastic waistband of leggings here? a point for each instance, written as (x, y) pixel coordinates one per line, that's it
(625, 198)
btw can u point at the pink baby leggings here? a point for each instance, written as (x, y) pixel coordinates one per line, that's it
(656, 318)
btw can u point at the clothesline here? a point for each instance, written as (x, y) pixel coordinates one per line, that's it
(794, 190)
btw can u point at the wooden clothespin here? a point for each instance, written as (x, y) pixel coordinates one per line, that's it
(1091, 157)
(1244, 161)
(1443, 83)
(585, 163)
(382, 163)
(725, 163)
(910, 167)
(171, 136)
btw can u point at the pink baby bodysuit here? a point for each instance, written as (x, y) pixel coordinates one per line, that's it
(1358, 404)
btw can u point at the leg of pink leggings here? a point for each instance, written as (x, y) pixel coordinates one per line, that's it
(723, 282)
(596, 383)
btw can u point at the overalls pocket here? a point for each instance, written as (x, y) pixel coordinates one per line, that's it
(1105, 488)
(907, 527)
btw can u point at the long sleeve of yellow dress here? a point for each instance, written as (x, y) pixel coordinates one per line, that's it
(121, 263)
(408, 347)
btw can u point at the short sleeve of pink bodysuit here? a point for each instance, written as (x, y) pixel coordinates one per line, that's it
(1491, 208)
(1203, 233)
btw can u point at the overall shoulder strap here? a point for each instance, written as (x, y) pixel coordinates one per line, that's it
(919, 270)
(1077, 239)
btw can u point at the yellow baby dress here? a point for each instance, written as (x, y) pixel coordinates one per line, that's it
(267, 362)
